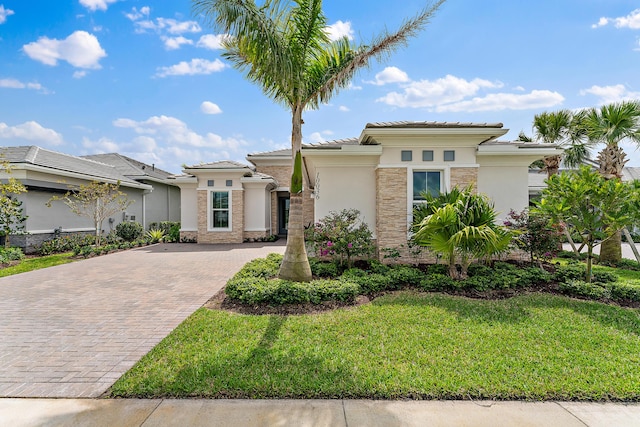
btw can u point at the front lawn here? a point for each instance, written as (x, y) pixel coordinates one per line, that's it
(29, 264)
(407, 344)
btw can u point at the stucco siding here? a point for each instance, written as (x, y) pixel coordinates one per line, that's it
(507, 186)
(162, 204)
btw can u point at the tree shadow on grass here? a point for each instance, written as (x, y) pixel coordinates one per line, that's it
(487, 311)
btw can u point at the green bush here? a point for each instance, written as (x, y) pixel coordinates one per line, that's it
(322, 268)
(604, 277)
(10, 254)
(438, 282)
(573, 271)
(370, 283)
(438, 269)
(583, 289)
(129, 231)
(65, 243)
(621, 291)
(171, 230)
(404, 275)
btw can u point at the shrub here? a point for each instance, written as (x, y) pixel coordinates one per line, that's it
(129, 231)
(534, 234)
(438, 282)
(341, 235)
(370, 283)
(583, 289)
(621, 291)
(604, 277)
(65, 243)
(323, 269)
(10, 254)
(404, 275)
(627, 264)
(155, 235)
(565, 273)
(170, 229)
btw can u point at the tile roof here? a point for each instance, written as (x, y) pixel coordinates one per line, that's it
(42, 157)
(130, 167)
(223, 164)
(428, 125)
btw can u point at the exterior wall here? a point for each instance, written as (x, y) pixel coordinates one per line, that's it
(507, 186)
(347, 187)
(463, 177)
(236, 234)
(282, 174)
(256, 211)
(162, 204)
(392, 155)
(391, 207)
(189, 209)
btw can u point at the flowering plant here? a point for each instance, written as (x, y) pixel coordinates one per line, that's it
(341, 235)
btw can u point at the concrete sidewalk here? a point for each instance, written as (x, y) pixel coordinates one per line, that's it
(333, 413)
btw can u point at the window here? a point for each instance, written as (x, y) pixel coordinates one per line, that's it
(449, 155)
(209, 183)
(427, 156)
(220, 209)
(229, 183)
(426, 182)
(406, 155)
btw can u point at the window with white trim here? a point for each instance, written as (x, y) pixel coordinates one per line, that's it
(426, 182)
(220, 210)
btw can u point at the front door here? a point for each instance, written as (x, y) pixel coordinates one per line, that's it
(283, 215)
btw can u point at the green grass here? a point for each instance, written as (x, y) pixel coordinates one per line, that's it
(409, 344)
(629, 277)
(29, 264)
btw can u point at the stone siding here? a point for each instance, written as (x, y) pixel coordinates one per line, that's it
(462, 177)
(391, 207)
(282, 174)
(237, 220)
(30, 243)
(254, 235)
(189, 236)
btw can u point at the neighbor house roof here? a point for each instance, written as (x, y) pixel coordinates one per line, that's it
(431, 125)
(223, 164)
(64, 164)
(130, 167)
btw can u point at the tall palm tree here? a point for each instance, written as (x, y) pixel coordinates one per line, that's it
(609, 125)
(283, 46)
(552, 128)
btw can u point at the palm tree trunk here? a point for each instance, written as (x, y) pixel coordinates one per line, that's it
(295, 264)
(611, 248)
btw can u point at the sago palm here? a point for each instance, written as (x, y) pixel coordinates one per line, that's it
(283, 46)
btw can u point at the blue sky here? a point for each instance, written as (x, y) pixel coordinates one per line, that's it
(145, 78)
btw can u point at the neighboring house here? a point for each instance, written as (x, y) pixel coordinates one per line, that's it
(381, 173)
(47, 173)
(163, 203)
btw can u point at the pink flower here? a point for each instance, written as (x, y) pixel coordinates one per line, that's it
(349, 245)
(329, 243)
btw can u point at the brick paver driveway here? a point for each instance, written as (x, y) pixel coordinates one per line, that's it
(72, 330)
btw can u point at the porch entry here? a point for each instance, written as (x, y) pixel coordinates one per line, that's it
(283, 214)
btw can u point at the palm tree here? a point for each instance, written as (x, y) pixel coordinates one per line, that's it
(459, 224)
(283, 47)
(609, 125)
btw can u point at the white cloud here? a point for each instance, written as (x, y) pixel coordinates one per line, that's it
(427, 93)
(101, 146)
(339, 30)
(30, 131)
(505, 101)
(343, 108)
(94, 5)
(195, 66)
(174, 131)
(610, 94)
(173, 43)
(17, 84)
(212, 41)
(4, 13)
(318, 137)
(210, 108)
(80, 49)
(138, 14)
(632, 21)
(79, 74)
(390, 75)
(168, 25)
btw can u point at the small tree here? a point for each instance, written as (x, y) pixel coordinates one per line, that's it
(341, 235)
(12, 216)
(591, 205)
(534, 234)
(459, 224)
(96, 201)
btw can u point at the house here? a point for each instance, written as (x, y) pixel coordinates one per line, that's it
(381, 173)
(47, 173)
